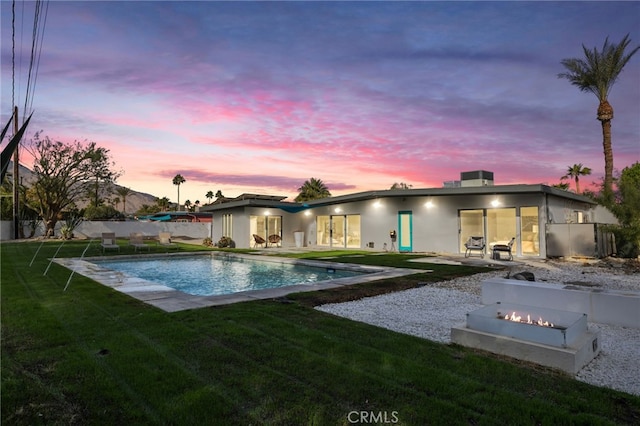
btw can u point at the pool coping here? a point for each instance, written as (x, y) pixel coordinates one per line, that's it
(171, 300)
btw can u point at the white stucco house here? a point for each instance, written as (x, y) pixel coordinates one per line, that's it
(544, 221)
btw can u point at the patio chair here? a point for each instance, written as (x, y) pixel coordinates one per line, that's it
(258, 240)
(137, 241)
(108, 241)
(503, 248)
(164, 240)
(274, 240)
(474, 244)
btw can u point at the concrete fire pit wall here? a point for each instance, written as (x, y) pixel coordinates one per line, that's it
(601, 306)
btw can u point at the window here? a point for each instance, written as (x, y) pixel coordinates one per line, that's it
(227, 225)
(529, 231)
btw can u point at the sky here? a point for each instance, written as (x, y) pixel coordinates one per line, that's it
(258, 97)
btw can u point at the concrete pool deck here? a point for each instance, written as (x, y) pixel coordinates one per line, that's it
(171, 300)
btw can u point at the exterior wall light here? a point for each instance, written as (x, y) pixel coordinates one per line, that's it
(428, 204)
(495, 203)
(338, 210)
(377, 204)
(307, 213)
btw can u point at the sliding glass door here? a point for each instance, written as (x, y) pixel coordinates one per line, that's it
(471, 225)
(340, 231)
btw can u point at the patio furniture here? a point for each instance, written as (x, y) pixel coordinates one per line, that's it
(137, 241)
(164, 240)
(258, 240)
(274, 239)
(474, 244)
(502, 248)
(108, 241)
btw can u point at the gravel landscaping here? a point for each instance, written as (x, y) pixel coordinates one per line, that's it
(430, 312)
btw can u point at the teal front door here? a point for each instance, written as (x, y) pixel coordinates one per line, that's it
(405, 231)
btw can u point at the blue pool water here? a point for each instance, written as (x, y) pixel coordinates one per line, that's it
(217, 275)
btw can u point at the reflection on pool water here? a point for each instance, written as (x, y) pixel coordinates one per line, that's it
(211, 275)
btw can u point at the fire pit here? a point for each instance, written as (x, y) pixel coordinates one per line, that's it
(550, 337)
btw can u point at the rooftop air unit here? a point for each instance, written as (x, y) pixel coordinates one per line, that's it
(476, 178)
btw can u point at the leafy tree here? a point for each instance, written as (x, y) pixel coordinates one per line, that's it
(575, 172)
(627, 210)
(63, 172)
(209, 196)
(178, 180)
(400, 185)
(101, 172)
(124, 192)
(312, 189)
(219, 194)
(146, 209)
(102, 212)
(597, 73)
(187, 205)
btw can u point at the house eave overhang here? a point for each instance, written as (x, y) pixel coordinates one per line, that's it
(400, 193)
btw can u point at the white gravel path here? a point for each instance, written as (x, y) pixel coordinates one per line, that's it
(430, 312)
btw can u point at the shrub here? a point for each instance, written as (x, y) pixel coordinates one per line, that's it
(226, 242)
(207, 242)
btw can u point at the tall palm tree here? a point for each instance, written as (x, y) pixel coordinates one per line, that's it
(312, 189)
(575, 172)
(124, 193)
(209, 196)
(597, 73)
(178, 180)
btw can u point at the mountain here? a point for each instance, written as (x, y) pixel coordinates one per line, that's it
(135, 200)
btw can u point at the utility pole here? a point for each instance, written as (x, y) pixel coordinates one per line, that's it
(16, 179)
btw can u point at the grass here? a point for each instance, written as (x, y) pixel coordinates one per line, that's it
(91, 355)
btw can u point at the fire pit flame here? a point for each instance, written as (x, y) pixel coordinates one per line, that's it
(518, 318)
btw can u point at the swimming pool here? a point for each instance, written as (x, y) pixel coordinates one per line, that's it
(157, 294)
(211, 275)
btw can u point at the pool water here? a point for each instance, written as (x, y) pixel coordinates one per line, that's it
(218, 275)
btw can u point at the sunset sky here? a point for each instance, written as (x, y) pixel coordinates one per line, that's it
(259, 97)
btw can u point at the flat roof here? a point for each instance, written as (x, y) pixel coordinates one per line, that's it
(392, 193)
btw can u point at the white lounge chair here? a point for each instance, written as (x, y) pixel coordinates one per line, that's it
(108, 241)
(137, 241)
(164, 240)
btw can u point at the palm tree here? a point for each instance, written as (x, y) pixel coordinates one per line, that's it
(597, 73)
(163, 203)
(575, 172)
(178, 180)
(219, 194)
(312, 189)
(124, 193)
(209, 196)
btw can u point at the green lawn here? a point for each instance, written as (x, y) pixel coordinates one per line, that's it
(91, 355)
